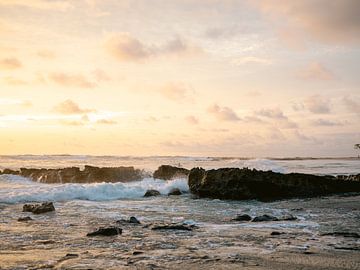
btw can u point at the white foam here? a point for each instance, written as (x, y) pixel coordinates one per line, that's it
(28, 191)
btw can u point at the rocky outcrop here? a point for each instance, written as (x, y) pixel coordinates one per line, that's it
(167, 172)
(247, 184)
(174, 191)
(109, 231)
(39, 208)
(152, 193)
(90, 174)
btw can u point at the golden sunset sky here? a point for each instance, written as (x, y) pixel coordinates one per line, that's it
(180, 77)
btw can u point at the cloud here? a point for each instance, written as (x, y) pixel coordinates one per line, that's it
(317, 104)
(71, 80)
(316, 71)
(14, 81)
(70, 107)
(10, 63)
(106, 122)
(46, 54)
(124, 47)
(223, 113)
(336, 22)
(271, 113)
(101, 76)
(252, 60)
(176, 91)
(192, 120)
(325, 123)
(38, 4)
(351, 105)
(9, 101)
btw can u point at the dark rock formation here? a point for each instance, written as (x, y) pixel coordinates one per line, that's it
(167, 172)
(134, 220)
(175, 191)
(90, 174)
(21, 219)
(242, 217)
(39, 208)
(110, 231)
(275, 233)
(181, 227)
(151, 193)
(288, 217)
(247, 184)
(264, 218)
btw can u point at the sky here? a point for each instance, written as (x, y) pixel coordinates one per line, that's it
(244, 78)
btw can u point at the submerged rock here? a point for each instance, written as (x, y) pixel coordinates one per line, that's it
(110, 231)
(134, 220)
(167, 172)
(242, 217)
(151, 193)
(264, 218)
(24, 219)
(175, 191)
(90, 174)
(39, 208)
(181, 227)
(247, 184)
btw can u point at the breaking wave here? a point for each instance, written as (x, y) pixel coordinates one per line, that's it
(15, 189)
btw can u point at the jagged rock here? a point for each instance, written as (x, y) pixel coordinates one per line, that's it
(24, 219)
(181, 227)
(247, 184)
(167, 172)
(264, 218)
(90, 174)
(151, 193)
(110, 231)
(9, 171)
(242, 217)
(134, 220)
(175, 191)
(39, 208)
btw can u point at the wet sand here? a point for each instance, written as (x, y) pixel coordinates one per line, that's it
(45, 241)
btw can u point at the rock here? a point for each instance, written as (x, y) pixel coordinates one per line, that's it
(90, 174)
(136, 252)
(248, 184)
(276, 233)
(264, 218)
(134, 220)
(71, 255)
(343, 234)
(167, 172)
(288, 217)
(242, 217)
(175, 191)
(24, 219)
(181, 227)
(110, 231)
(151, 193)
(39, 208)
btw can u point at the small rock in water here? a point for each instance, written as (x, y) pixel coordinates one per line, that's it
(24, 218)
(175, 191)
(180, 227)
(137, 252)
(276, 233)
(134, 220)
(242, 217)
(151, 193)
(39, 208)
(72, 255)
(264, 218)
(288, 218)
(110, 231)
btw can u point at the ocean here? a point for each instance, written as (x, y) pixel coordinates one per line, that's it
(81, 208)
